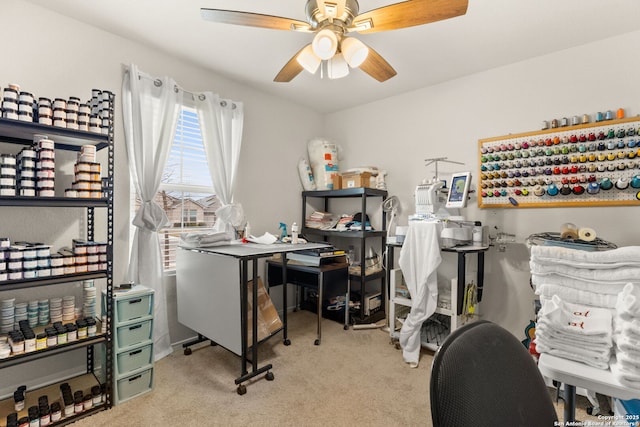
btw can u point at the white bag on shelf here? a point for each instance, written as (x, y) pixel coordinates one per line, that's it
(306, 176)
(323, 156)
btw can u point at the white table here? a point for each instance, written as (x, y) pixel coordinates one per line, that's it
(575, 374)
(212, 290)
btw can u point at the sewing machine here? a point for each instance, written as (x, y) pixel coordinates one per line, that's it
(435, 202)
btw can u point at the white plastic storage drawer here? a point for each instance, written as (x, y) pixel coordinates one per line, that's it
(134, 358)
(133, 385)
(133, 334)
(134, 307)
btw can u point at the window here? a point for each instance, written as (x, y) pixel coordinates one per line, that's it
(189, 216)
(186, 192)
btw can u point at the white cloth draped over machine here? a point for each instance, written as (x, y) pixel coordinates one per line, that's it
(419, 260)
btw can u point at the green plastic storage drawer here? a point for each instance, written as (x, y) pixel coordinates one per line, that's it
(135, 358)
(133, 385)
(133, 334)
(133, 308)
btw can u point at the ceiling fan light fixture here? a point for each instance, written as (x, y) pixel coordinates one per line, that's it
(308, 59)
(337, 67)
(354, 51)
(325, 44)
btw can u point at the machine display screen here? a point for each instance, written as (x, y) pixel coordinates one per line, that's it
(459, 190)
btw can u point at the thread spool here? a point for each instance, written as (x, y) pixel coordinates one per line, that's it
(568, 231)
(587, 234)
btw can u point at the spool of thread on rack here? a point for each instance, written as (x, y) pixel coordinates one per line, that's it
(568, 231)
(587, 234)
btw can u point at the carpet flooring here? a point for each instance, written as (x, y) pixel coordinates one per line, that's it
(353, 378)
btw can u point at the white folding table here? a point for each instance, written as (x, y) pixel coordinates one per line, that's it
(574, 374)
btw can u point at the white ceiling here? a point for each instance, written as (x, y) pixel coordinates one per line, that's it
(493, 33)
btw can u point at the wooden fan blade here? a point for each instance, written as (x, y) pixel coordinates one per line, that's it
(253, 20)
(407, 14)
(377, 67)
(290, 69)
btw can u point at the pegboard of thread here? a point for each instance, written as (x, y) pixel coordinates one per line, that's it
(592, 164)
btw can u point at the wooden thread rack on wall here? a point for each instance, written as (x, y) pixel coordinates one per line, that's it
(520, 170)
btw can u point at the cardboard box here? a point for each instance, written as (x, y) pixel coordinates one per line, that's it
(356, 180)
(337, 182)
(268, 318)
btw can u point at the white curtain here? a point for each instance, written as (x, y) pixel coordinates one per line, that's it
(221, 123)
(150, 107)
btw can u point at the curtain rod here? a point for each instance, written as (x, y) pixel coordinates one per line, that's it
(201, 96)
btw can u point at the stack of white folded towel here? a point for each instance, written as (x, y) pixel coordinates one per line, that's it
(627, 336)
(576, 332)
(593, 280)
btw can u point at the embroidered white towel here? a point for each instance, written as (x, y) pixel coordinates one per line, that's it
(576, 318)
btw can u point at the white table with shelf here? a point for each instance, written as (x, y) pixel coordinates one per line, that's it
(454, 309)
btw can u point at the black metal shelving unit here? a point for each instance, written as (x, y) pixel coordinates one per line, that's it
(364, 194)
(22, 133)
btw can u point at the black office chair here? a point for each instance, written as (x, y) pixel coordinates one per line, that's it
(483, 376)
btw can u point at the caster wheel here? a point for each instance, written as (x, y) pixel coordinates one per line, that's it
(593, 410)
(187, 351)
(287, 342)
(397, 346)
(269, 376)
(346, 327)
(242, 389)
(316, 342)
(213, 344)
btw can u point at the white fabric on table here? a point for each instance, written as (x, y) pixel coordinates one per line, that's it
(206, 239)
(419, 260)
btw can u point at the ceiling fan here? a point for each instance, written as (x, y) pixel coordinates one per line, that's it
(331, 21)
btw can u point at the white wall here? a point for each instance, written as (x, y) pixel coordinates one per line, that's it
(449, 119)
(60, 57)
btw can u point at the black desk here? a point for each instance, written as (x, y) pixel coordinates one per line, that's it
(328, 280)
(462, 252)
